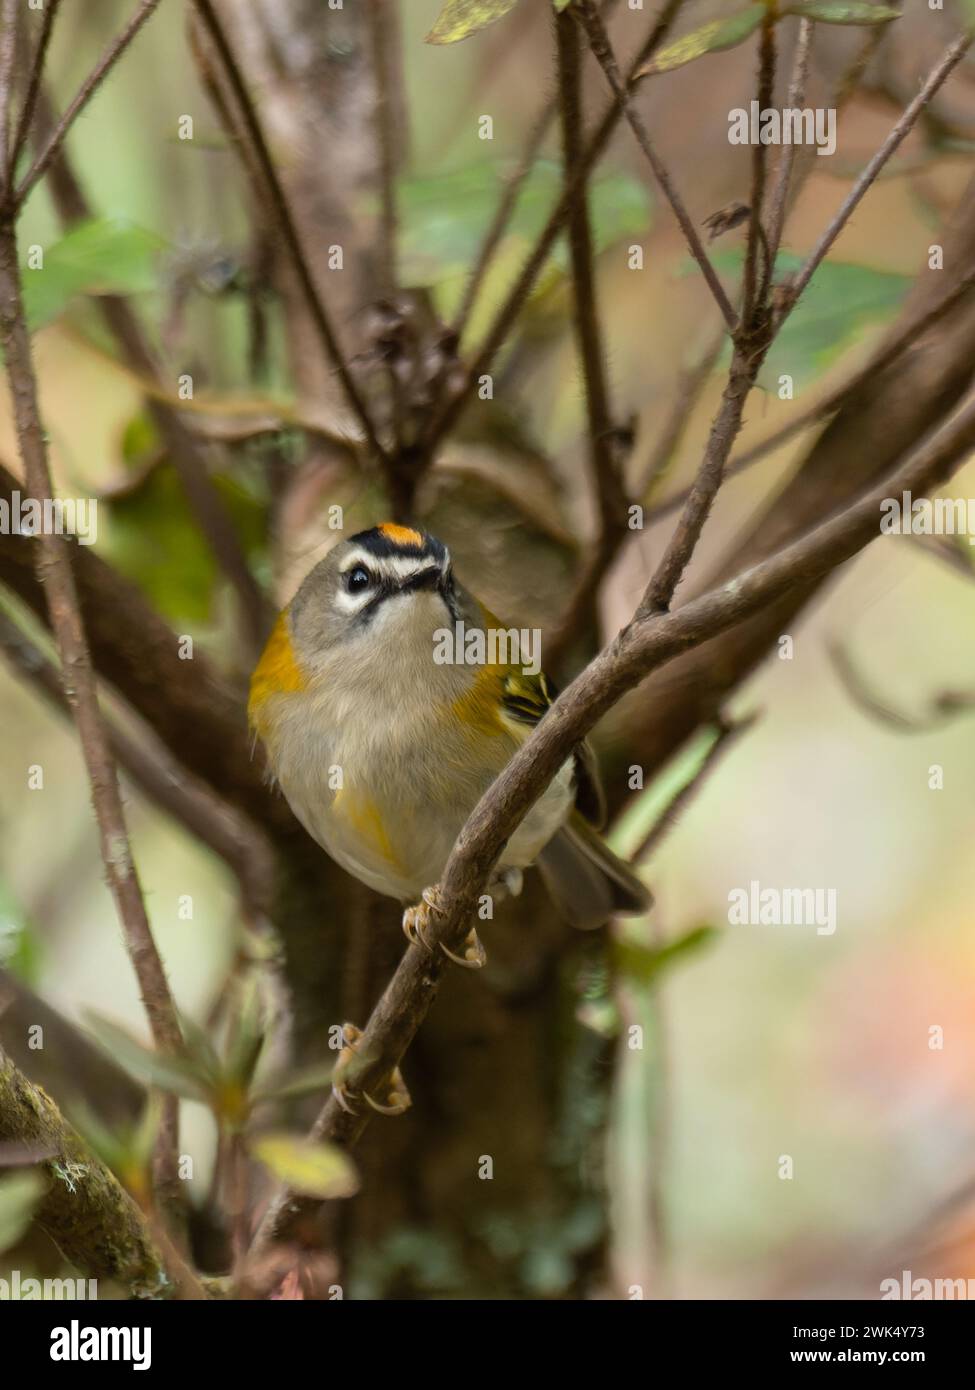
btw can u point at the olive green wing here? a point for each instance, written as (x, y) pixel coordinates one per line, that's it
(525, 699)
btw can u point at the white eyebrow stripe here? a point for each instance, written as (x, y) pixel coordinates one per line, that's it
(358, 557)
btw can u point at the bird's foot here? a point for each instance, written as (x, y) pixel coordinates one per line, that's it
(393, 1098)
(416, 920)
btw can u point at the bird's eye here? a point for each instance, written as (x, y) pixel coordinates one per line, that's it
(358, 579)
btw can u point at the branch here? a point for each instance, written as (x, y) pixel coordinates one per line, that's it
(649, 642)
(936, 78)
(8, 54)
(84, 94)
(690, 384)
(756, 284)
(54, 571)
(603, 52)
(382, 17)
(281, 214)
(728, 733)
(942, 708)
(33, 85)
(447, 415)
(182, 445)
(604, 467)
(888, 353)
(86, 1211)
(779, 196)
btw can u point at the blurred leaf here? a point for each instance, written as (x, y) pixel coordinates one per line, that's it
(459, 19)
(643, 965)
(317, 1076)
(176, 1074)
(246, 1035)
(647, 807)
(155, 541)
(710, 38)
(841, 300)
(445, 215)
(20, 950)
(19, 1195)
(317, 1170)
(201, 1050)
(107, 255)
(842, 11)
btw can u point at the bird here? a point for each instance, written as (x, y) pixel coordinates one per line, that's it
(383, 739)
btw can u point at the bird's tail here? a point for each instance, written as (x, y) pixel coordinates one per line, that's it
(586, 880)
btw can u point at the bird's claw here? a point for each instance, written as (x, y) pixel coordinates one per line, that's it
(416, 920)
(395, 1098)
(474, 956)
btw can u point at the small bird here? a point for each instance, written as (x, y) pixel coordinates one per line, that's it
(383, 748)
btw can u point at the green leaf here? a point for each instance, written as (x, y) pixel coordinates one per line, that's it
(445, 215)
(153, 539)
(635, 822)
(459, 19)
(841, 301)
(19, 1195)
(842, 11)
(317, 1076)
(174, 1074)
(710, 38)
(103, 256)
(645, 964)
(317, 1170)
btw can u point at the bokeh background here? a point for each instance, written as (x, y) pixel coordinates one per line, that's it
(766, 1041)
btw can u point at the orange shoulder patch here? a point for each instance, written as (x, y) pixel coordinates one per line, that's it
(400, 535)
(276, 673)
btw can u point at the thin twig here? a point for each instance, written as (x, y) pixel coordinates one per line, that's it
(448, 413)
(728, 733)
(936, 78)
(603, 456)
(54, 571)
(779, 195)
(382, 17)
(690, 384)
(183, 448)
(503, 210)
(647, 644)
(33, 84)
(603, 52)
(757, 279)
(282, 215)
(81, 99)
(942, 708)
(8, 53)
(886, 355)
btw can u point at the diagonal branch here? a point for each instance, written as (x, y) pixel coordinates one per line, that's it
(603, 52)
(938, 75)
(33, 85)
(648, 643)
(454, 405)
(603, 455)
(781, 184)
(183, 447)
(82, 97)
(54, 570)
